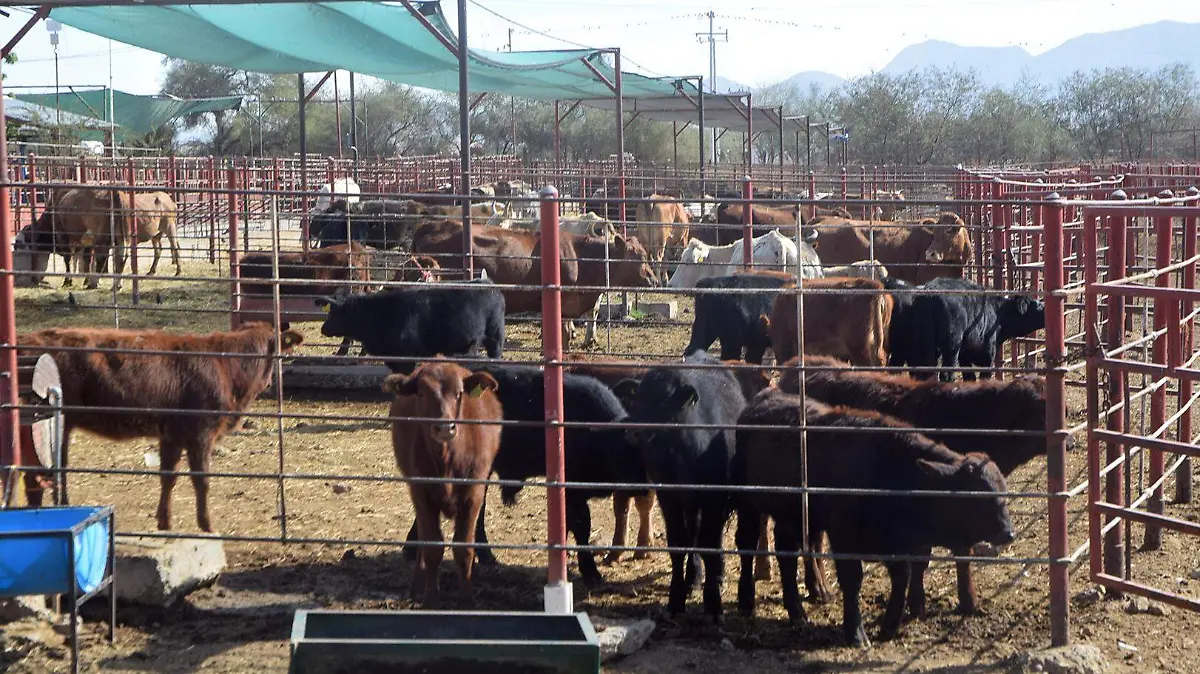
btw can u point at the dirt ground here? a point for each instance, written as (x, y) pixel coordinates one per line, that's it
(243, 622)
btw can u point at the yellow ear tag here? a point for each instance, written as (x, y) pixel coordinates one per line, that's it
(325, 308)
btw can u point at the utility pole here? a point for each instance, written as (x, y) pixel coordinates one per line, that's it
(512, 103)
(712, 37)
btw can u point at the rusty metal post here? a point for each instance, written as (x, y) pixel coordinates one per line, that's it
(1183, 476)
(304, 219)
(999, 223)
(620, 108)
(747, 221)
(1056, 423)
(1152, 540)
(10, 436)
(812, 194)
(212, 210)
(32, 163)
(843, 182)
(132, 233)
(558, 590)
(1114, 483)
(1091, 331)
(235, 292)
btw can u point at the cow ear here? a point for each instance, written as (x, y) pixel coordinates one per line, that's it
(479, 382)
(935, 470)
(686, 396)
(626, 389)
(400, 385)
(620, 244)
(291, 339)
(325, 303)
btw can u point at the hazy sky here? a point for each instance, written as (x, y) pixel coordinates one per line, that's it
(768, 39)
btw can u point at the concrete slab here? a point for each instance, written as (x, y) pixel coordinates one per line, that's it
(158, 572)
(614, 312)
(621, 638)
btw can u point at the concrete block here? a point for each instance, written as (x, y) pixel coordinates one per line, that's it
(159, 571)
(614, 312)
(621, 638)
(1077, 659)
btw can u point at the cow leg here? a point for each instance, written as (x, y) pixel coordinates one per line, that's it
(850, 577)
(814, 571)
(899, 574)
(174, 250)
(746, 536)
(675, 519)
(430, 531)
(169, 453)
(156, 244)
(579, 521)
(620, 501)
(90, 270)
(968, 603)
(199, 457)
(118, 262)
(762, 563)
(483, 551)
(712, 525)
(732, 350)
(464, 532)
(644, 505)
(916, 589)
(344, 349)
(67, 280)
(590, 339)
(787, 547)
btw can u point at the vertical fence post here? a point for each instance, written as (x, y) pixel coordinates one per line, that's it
(212, 211)
(1091, 330)
(235, 289)
(1114, 484)
(10, 437)
(1183, 477)
(132, 232)
(747, 221)
(557, 598)
(1056, 422)
(812, 194)
(32, 162)
(1152, 539)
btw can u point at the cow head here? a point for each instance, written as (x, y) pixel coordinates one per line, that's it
(662, 399)
(631, 265)
(1021, 316)
(687, 272)
(437, 391)
(969, 521)
(951, 242)
(338, 315)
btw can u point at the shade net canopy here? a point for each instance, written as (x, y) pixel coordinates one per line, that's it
(371, 38)
(133, 113)
(721, 111)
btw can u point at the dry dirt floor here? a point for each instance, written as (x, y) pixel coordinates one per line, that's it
(243, 622)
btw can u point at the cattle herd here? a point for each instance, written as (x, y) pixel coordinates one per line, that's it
(708, 436)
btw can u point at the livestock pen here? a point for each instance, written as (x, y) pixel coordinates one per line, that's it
(308, 499)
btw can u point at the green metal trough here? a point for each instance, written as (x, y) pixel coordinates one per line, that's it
(400, 642)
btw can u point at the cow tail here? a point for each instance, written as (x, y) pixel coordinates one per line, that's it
(882, 321)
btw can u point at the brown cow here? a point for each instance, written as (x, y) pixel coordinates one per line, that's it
(334, 263)
(728, 227)
(985, 406)
(912, 252)
(662, 225)
(514, 257)
(224, 387)
(444, 394)
(418, 269)
(851, 325)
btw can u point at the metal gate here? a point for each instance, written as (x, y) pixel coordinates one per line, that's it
(1140, 309)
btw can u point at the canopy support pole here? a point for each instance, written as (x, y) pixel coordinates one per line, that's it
(446, 42)
(303, 103)
(478, 99)
(703, 150)
(337, 114)
(781, 142)
(557, 145)
(41, 13)
(309, 96)
(827, 161)
(749, 132)
(808, 146)
(10, 425)
(620, 105)
(632, 117)
(464, 142)
(353, 126)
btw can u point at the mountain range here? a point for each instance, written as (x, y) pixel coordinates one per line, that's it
(1150, 46)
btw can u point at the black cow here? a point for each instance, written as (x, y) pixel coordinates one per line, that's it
(962, 329)
(384, 224)
(888, 456)
(420, 322)
(685, 454)
(590, 454)
(733, 318)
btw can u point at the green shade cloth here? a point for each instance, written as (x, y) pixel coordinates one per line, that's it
(383, 41)
(137, 114)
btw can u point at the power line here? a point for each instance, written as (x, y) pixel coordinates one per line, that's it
(555, 37)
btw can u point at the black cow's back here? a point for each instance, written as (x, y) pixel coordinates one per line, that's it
(733, 318)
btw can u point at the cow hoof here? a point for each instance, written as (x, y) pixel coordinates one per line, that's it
(640, 555)
(963, 609)
(611, 558)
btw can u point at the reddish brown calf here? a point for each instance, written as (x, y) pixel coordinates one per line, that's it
(444, 394)
(158, 386)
